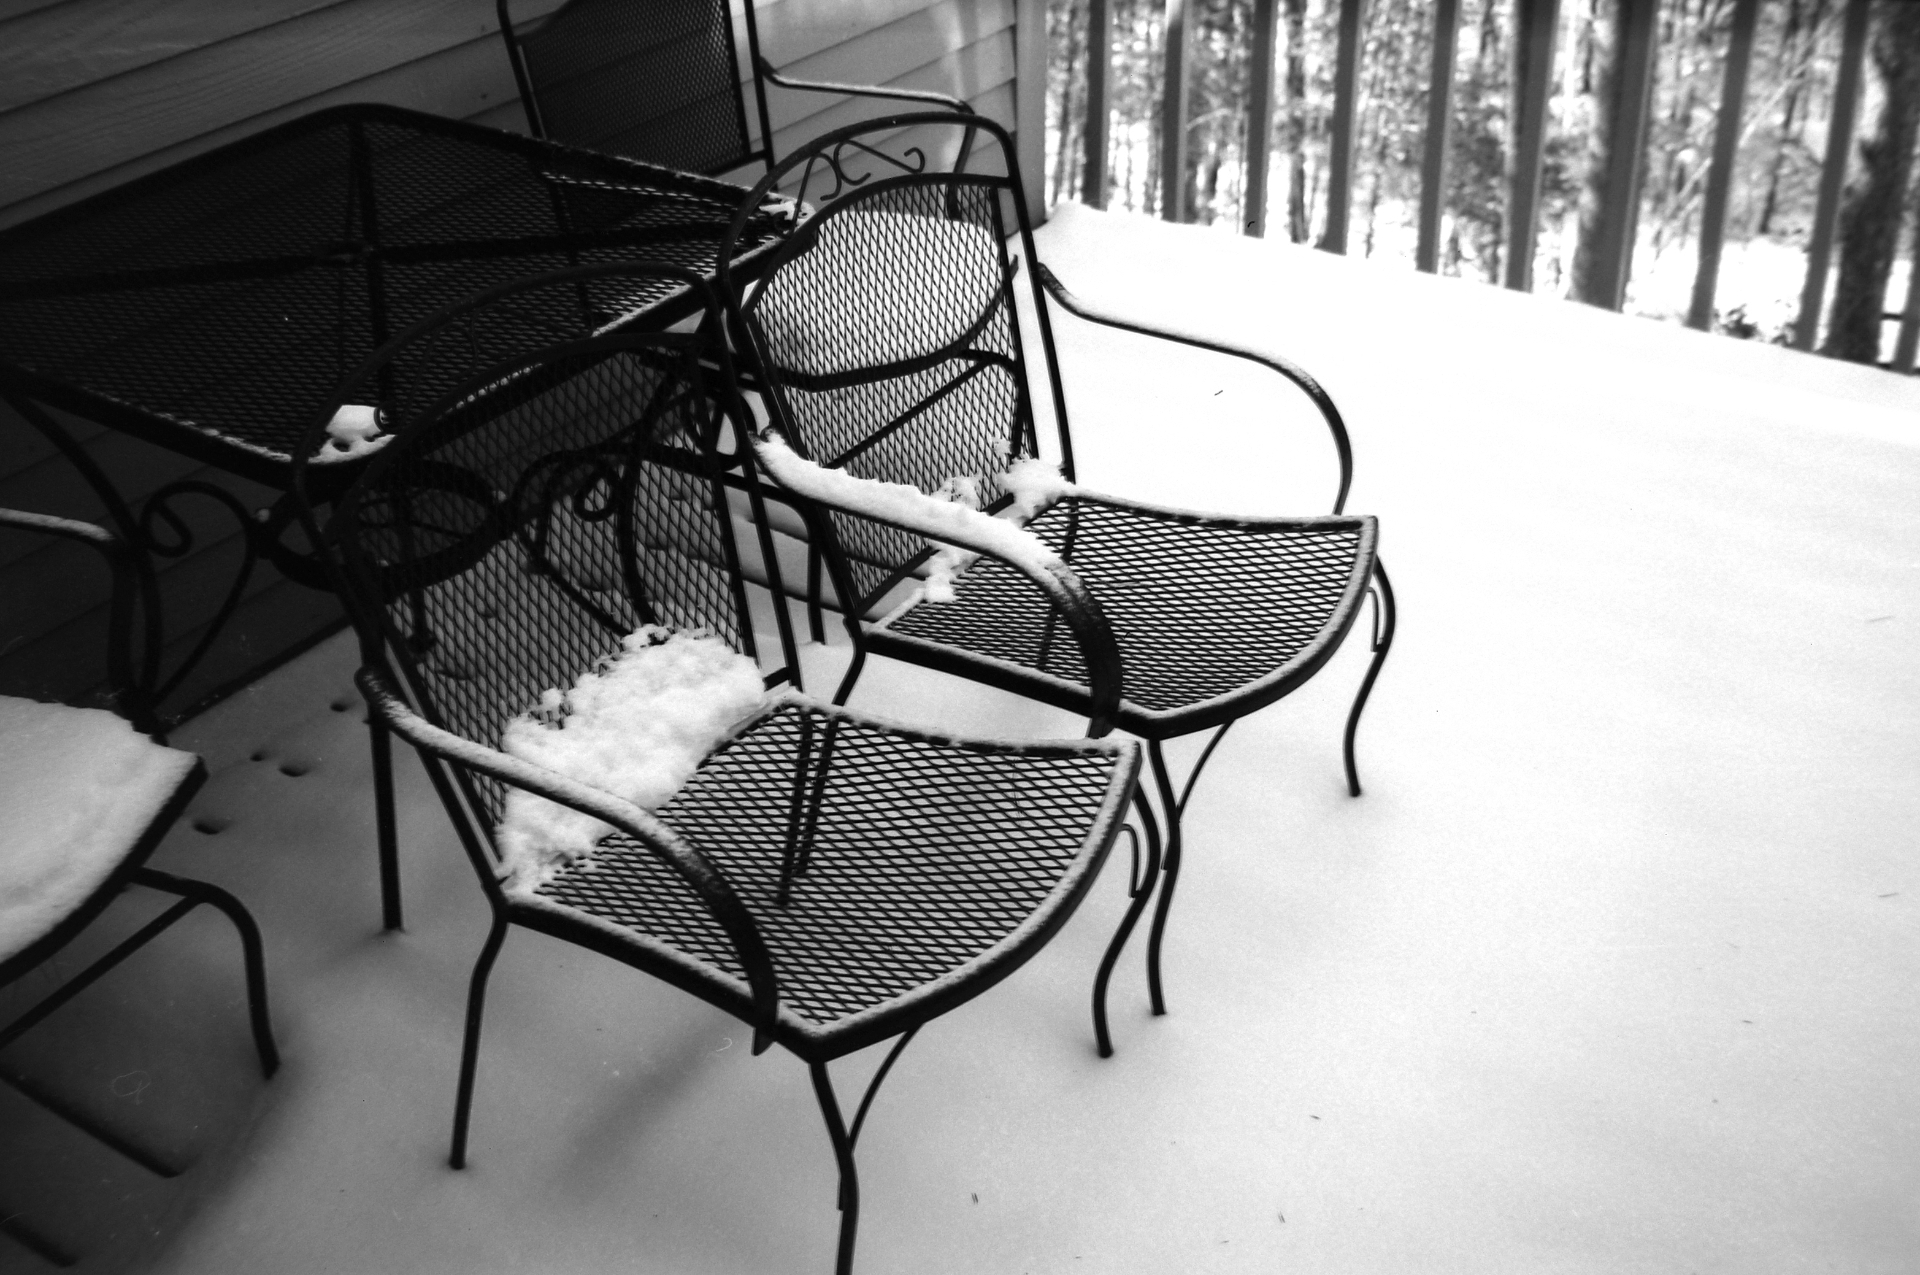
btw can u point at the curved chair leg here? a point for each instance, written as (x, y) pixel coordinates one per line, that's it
(250, 947)
(1139, 890)
(1384, 615)
(1176, 812)
(470, 1043)
(1169, 873)
(844, 1138)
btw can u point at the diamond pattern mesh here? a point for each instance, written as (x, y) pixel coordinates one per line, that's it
(895, 353)
(231, 295)
(888, 326)
(926, 855)
(1199, 609)
(650, 79)
(515, 539)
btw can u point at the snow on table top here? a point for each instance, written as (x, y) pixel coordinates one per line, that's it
(637, 726)
(77, 788)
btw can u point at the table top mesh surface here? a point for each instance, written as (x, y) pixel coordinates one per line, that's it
(229, 295)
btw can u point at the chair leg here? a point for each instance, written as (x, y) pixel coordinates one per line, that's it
(93, 973)
(844, 1139)
(1384, 615)
(1140, 890)
(381, 742)
(816, 619)
(1175, 809)
(470, 1042)
(251, 950)
(1169, 873)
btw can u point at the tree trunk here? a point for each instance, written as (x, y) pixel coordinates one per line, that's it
(1607, 41)
(1875, 201)
(1296, 130)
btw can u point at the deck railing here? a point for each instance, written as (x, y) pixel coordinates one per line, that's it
(1532, 40)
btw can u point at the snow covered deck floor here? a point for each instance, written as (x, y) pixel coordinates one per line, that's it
(1615, 968)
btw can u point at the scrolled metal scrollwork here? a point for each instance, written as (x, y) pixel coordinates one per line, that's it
(165, 534)
(834, 161)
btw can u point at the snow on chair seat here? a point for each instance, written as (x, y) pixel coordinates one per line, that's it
(79, 789)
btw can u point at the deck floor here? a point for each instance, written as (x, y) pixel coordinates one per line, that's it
(1614, 968)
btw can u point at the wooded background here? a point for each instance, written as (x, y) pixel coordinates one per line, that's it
(1790, 94)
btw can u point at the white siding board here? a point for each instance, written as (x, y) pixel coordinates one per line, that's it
(459, 82)
(977, 73)
(794, 30)
(231, 88)
(69, 46)
(19, 8)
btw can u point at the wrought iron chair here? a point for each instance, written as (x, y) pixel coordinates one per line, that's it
(658, 80)
(85, 797)
(830, 879)
(885, 334)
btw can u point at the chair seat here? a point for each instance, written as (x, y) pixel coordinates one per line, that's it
(936, 868)
(1214, 616)
(80, 789)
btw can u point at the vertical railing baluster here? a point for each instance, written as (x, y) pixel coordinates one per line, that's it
(1433, 163)
(1346, 95)
(1619, 218)
(1726, 146)
(1093, 173)
(1833, 174)
(1907, 344)
(1537, 24)
(1030, 103)
(1253, 211)
(1173, 116)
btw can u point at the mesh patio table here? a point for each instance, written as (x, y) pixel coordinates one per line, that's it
(211, 308)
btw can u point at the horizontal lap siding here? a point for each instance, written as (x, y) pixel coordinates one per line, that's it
(96, 92)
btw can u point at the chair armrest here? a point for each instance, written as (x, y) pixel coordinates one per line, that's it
(908, 509)
(767, 73)
(1312, 388)
(692, 867)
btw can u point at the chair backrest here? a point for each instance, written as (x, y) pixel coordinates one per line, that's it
(884, 327)
(538, 499)
(129, 685)
(655, 80)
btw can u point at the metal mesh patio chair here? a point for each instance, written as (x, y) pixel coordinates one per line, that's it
(85, 797)
(658, 80)
(829, 879)
(884, 331)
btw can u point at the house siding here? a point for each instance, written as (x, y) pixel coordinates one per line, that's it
(96, 92)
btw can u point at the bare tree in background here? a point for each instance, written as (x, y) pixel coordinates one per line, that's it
(1876, 198)
(1295, 132)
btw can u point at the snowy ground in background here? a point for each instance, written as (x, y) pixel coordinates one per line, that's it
(1615, 968)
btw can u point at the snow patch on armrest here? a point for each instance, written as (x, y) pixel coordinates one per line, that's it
(941, 521)
(636, 725)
